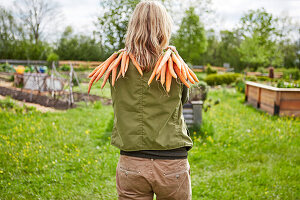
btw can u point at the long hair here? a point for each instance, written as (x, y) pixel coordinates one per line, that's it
(148, 33)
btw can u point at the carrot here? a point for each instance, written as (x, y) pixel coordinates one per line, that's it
(107, 64)
(114, 65)
(170, 67)
(163, 73)
(92, 80)
(193, 75)
(123, 62)
(183, 71)
(119, 74)
(176, 60)
(168, 80)
(136, 64)
(158, 75)
(164, 60)
(190, 78)
(154, 70)
(96, 69)
(181, 76)
(126, 65)
(113, 75)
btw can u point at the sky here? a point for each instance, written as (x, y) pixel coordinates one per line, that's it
(81, 14)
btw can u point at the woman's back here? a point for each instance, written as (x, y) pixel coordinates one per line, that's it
(147, 117)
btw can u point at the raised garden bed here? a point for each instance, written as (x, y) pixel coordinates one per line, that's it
(276, 101)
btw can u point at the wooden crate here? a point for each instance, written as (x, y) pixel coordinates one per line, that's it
(276, 101)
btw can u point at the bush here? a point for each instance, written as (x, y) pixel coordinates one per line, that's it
(262, 70)
(199, 91)
(209, 70)
(52, 57)
(292, 73)
(240, 85)
(251, 78)
(65, 68)
(219, 79)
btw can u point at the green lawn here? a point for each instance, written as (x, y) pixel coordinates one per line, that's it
(67, 155)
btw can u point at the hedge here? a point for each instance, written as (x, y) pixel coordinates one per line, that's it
(220, 79)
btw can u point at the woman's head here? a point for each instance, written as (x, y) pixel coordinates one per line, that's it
(149, 32)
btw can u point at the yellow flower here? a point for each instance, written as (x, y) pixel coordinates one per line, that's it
(1, 172)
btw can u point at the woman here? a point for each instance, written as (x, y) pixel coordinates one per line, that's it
(149, 127)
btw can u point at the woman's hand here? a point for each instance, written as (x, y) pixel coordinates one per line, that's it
(173, 48)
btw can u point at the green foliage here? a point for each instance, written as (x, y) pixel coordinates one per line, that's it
(219, 79)
(198, 91)
(78, 47)
(112, 23)
(292, 73)
(209, 70)
(52, 57)
(190, 39)
(262, 70)
(65, 68)
(240, 85)
(259, 47)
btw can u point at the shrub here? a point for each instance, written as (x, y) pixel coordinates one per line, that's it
(219, 79)
(210, 70)
(240, 85)
(199, 91)
(52, 57)
(65, 68)
(292, 73)
(262, 70)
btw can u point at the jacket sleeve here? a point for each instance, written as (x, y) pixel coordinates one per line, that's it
(185, 94)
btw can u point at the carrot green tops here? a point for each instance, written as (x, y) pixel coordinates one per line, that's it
(146, 117)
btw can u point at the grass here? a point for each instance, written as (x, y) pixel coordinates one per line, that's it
(67, 155)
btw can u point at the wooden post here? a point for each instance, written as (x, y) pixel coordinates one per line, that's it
(71, 101)
(197, 111)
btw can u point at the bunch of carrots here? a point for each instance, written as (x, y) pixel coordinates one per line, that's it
(169, 65)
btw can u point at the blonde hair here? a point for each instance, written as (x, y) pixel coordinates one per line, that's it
(148, 33)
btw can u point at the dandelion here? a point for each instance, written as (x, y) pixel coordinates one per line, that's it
(87, 132)
(1, 172)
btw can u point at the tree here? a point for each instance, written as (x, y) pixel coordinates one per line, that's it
(112, 23)
(78, 47)
(259, 46)
(36, 15)
(190, 39)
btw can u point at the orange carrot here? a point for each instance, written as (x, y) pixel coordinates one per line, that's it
(123, 63)
(190, 78)
(136, 64)
(96, 69)
(114, 65)
(176, 60)
(119, 74)
(164, 60)
(181, 76)
(107, 64)
(126, 65)
(92, 80)
(154, 70)
(163, 73)
(168, 80)
(170, 67)
(113, 75)
(183, 71)
(157, 76)
(193, 74)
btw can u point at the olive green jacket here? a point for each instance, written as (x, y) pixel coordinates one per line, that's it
(147, 117)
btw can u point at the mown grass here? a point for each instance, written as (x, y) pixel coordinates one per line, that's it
(67, 155)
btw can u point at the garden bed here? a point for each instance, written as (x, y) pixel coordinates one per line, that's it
(48, 101)
(276, 101)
